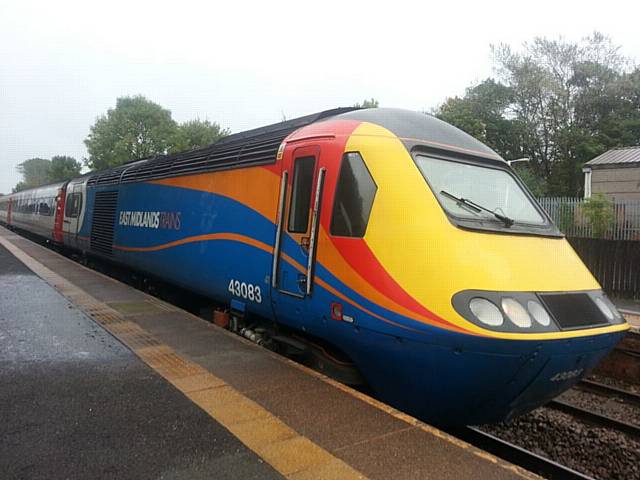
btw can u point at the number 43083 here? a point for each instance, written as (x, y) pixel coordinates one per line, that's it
(245, 290)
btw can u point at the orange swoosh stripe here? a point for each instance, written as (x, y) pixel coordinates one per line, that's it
(262, 246)
(200, 238)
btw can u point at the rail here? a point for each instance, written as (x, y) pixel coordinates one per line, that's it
(594, 418)
(517, 455)
(597, 387)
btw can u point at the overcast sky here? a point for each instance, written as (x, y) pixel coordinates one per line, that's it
(245, 65)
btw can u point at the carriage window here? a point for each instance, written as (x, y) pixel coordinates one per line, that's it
(43, 208)
(301, 194)
(354, 197)
(72, 205)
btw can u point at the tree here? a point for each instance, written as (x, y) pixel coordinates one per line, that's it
(136, 128)
(35, 172)
(564, 95)
(371, 103)
(558, 103)
(40, 171)
(19, 187)
(196, 134)
(63, 168)
(535, 183)
(484, 113)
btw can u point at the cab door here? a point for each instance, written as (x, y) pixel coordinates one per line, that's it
(72, 208)
(9, 209)
(298, 223)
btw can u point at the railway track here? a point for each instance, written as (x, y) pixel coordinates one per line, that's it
(517, 455)
(542, 465)
(594, 418)
(602, 388)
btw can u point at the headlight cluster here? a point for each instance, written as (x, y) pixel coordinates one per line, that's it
(529, 312)
(523, 317)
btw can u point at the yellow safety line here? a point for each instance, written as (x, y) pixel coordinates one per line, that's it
(291, 454)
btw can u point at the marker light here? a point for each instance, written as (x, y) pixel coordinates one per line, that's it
(516, 312)
(604, 308)
(336, 311)
(486, 312)
(538, 313)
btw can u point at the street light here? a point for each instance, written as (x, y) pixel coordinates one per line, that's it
(511, 162)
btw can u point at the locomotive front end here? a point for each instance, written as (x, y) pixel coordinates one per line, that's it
(504, 314)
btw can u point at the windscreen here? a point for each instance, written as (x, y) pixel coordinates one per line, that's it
(460, 186)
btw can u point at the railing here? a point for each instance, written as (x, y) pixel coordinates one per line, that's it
(614, 263)
(570, 216)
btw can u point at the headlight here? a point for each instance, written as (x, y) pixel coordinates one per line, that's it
(516, 312)
(604, 308)
(486, 312)
(538, 313)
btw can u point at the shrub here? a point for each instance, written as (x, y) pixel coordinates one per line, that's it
(599, 213)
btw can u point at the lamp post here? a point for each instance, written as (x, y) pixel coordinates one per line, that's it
(511, 162)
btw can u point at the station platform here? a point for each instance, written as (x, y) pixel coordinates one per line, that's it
(99, 380)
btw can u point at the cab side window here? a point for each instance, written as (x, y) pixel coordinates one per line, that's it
(72, 205)
(301, 194)
(355, 192)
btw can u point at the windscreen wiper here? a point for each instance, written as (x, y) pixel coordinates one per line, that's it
(478, 208)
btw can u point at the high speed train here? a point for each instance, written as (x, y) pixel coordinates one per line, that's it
(392, 242)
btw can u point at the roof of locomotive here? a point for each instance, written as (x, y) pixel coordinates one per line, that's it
(259, 146)
(420, 127)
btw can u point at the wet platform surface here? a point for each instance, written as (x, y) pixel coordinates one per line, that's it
(102, 381)
(76, 403)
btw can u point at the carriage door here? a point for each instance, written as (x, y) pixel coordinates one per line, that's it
(298, 222)
(72, 208)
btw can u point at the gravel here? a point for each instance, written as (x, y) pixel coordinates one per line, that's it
(598, 452)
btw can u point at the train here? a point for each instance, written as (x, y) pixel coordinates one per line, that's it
(406, 255)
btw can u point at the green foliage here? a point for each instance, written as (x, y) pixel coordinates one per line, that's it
(40, 171)
(63, 168)
(35, 172)
(599, 213)
(19, 187)
(371, 103)
(534, 182)
(556, 102)
(136, 128)
(196, 134)
(482, 113)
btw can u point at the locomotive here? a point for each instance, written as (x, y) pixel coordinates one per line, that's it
(405, 250)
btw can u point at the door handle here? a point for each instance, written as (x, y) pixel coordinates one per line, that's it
(66, 221)
(302, 282)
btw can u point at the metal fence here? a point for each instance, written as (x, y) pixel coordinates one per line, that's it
(568, 213)
(614, 263)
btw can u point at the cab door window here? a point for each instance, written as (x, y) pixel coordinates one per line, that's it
(72, 205)
(301, 194)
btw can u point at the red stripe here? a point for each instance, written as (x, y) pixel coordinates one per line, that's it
(360, 257)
